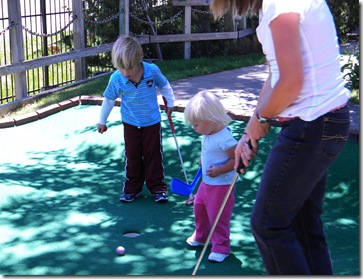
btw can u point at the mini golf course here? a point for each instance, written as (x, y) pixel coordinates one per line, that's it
(60, 183)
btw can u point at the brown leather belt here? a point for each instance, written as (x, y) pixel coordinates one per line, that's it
(283, 119)
(339, 107)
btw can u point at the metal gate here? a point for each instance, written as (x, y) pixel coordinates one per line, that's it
(47, 30)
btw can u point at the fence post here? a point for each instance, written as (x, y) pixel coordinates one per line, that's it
(187, 30)
(17, 47)
(243, 22)
(79, 39)
(124, 17)
(43, 11)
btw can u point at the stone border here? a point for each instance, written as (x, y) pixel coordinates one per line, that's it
(80, 100)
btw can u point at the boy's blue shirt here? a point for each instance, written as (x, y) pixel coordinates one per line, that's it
(139, 105)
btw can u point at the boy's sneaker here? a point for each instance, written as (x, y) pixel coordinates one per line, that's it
(192, 242)
(129, 197)
(217, 257)
(161, 197)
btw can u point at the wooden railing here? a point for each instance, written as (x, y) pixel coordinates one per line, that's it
(144, 39)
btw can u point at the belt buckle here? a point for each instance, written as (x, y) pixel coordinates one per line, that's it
(284, 119)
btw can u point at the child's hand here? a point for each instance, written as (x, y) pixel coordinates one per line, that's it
(213, 171)
(101, 128)
(169, 111)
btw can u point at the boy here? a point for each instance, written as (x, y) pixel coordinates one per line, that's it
(135, 83)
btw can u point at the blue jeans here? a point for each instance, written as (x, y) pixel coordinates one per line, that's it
(286, 219)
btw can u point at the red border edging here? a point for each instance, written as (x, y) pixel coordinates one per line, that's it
(97, 100)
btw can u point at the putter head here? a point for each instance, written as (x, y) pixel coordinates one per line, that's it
(179, 187)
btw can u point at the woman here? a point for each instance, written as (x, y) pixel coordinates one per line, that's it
(305, 91)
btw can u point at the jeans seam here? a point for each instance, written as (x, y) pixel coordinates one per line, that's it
(309, 256)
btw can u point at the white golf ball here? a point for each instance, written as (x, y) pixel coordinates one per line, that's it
(120, 250)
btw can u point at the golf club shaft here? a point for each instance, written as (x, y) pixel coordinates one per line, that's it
(176, 142)
(181, 159)
(216, 222)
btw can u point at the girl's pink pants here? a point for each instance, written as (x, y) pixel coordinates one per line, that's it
(207, 203)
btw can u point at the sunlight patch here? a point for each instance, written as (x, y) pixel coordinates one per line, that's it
(85, 219)
(346, 222)
(73, 192)
(15, 195)
(81, 166)
(338, 191)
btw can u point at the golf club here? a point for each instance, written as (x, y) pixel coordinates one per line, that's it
(176, 142)
(181, 188)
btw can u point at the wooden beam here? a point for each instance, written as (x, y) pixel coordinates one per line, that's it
(246, 32)
(190, 3)
(53, 59)
(193, 37)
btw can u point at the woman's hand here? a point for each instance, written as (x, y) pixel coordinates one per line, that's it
(247, 146)
(244, 154)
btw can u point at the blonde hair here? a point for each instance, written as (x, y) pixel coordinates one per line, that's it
(205, 106)
(126, 52)
(237, 7)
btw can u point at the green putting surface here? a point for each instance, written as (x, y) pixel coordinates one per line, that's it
(60, 185)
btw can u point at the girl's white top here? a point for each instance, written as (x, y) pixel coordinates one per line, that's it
(214, 152)
(324, 85)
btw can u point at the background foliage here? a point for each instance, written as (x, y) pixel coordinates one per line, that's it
(149, 18)
(346, 16)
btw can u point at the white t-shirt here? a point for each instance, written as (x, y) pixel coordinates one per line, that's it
(214, 152)
(324, 85)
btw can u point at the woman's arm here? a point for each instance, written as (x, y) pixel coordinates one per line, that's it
(286, 38)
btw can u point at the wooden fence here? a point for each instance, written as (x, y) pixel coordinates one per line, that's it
(19, 67)
(143, 39)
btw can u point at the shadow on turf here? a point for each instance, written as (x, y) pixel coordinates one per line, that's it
(61, 213)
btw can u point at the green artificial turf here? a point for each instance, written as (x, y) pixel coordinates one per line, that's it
(60, 214)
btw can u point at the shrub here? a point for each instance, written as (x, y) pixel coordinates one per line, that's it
(352, 70)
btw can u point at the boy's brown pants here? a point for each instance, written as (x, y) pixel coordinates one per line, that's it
(143, 159)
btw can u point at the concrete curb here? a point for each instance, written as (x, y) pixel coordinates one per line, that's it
(97, 100)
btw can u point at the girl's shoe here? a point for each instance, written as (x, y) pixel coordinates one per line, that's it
(192, 242)
(190, 201)
(217, 257)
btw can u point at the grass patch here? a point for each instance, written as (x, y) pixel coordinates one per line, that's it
(179, 69)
